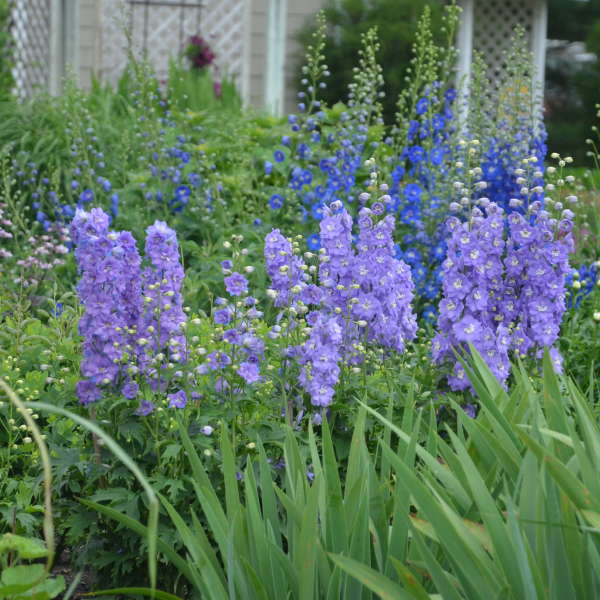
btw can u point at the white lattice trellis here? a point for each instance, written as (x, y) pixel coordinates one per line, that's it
(494, 24)
(30, 31)
(222, 23)
(488, 25)
(162, 31)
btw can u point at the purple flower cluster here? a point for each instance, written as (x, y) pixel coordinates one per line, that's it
(386, 287)
(537, 265)
(473, 288)
(243, 349)
(4, 234)
(283, 267)
(132, 316)
(199, 52)
(164, 317)
(320, 356)
(336, 274)
(110, 292)
(363, 294)
(503, 287)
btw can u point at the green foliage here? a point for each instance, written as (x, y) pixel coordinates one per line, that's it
(25, 581)
(6, 61)
(571, 87)
(198, 90)
(395, 21)
(505, 506)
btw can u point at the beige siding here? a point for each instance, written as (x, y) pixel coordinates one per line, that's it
(91, 52)
(257, 60)
(298, 12)
(88, 41)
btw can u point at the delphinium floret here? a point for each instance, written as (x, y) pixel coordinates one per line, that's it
(241, 349)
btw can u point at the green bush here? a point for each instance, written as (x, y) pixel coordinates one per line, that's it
(396, 23)
(6, 62)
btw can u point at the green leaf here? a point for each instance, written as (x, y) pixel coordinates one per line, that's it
(206, 577)
(27, 548)
(409, 580)
(19, 579)
(306, 550)
(142, 530)
(232, 497)
(171, 451)
(136, 591)
(335, 523)
(384, 587)
(444, 584)
(572, 487)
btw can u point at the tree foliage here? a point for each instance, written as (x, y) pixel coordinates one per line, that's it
(396, 22)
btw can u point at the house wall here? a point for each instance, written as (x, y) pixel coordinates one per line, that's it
(237, 30)
(256, 52)
(298, 13)
(87, 42)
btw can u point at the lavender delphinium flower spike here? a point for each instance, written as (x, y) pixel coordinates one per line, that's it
(164, 317)
(385, 285)
(335, 271)
(110, 292)
(504, 287)
(283, 267)
(538, 263)
(473, 288)
(320, 356)
(367, 293)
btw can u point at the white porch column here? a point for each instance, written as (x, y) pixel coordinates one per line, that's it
(276, 38)
(64, 42)
(56, 62)
(465, 55)
(538, 42)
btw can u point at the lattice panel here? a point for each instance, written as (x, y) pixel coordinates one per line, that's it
(113, 44)
(163, 32)
(494, 23)
(223, 25)
(30, 30)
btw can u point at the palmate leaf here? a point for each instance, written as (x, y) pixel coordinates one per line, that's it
(152, 528)
(26, 548)
(142, 530)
